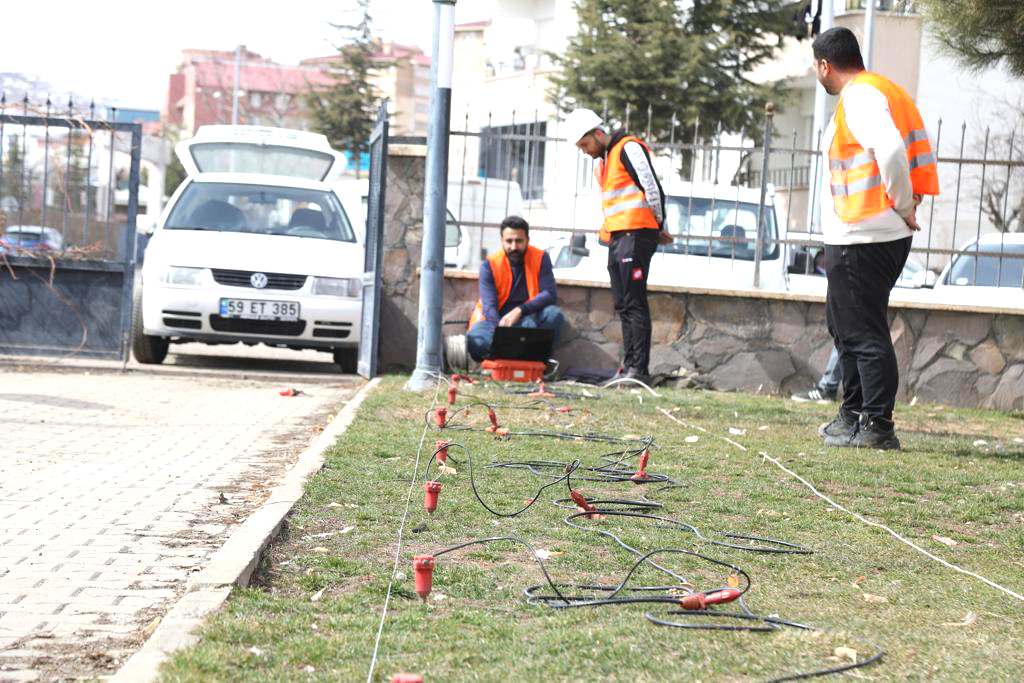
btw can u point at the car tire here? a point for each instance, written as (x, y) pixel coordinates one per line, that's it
(347, 360)
(146, 348)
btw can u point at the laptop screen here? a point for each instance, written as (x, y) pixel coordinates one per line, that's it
(521, 343)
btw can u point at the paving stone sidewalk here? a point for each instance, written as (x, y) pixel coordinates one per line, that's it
(115, 487)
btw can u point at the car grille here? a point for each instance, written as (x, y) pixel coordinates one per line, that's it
(284, 328)
(240, 278)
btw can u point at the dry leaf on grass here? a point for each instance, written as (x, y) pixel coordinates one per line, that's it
(346, 530)
(309, 669)
(733, 581)
(945, 540)
(847, 653)
(737, 431)
(256, 651)
(856, 582)
(980, 442)
(444, 469)
(320, 549)
(440, 596)
(692, 439)
(969, 619)
(316, 596)
(875, 599)
(334, 505)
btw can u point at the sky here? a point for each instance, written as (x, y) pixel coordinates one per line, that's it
(125, 51)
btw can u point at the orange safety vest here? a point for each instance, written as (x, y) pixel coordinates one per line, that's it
(501, 269)
(857, 190)
(624, 203)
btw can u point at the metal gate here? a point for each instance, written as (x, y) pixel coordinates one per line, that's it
(69, 195)
(370, 327)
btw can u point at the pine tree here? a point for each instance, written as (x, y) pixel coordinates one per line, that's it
(345, 111)
(691, 62)
(980, 34)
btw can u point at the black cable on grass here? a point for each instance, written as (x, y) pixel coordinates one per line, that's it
(613, 471)
(533, 554)
(567, 468)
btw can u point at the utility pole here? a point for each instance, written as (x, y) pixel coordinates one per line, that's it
(435, 200)
(814, 182)
(869, 32)
(237, 84)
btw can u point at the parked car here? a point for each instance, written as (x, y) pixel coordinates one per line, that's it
(715, 230)
(255, 247)
(806, 259)
(31, 238)
(988, 270)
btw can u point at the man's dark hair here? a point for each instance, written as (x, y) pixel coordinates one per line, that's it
(839, 46)
(516, 223)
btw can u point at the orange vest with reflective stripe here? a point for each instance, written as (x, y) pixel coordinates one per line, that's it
(857, 190)
(624, 204)
(501, 269)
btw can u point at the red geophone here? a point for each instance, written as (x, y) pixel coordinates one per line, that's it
(424, 567)
(440, 415)
(641, 472)
(431, 489)
(442, 450)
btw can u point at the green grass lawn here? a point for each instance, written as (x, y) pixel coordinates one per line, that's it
(314, 610)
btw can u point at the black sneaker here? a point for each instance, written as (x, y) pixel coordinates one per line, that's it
(841, 427)
(875, 434)
(815, 394)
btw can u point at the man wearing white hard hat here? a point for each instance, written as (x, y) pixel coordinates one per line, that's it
(634, 213)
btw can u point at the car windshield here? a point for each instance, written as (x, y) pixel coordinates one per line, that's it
(994, 268)
(260, 209)
(725, 227)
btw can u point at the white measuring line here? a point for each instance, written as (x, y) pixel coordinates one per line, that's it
(401, 528)
(836, 505)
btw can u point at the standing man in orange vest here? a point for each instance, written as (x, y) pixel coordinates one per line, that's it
(880, 163)
(517, 288)
(634, 213)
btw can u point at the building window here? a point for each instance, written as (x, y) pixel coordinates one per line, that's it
(255, 100)
(515, 153)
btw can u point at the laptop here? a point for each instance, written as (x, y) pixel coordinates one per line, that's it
(521, 343)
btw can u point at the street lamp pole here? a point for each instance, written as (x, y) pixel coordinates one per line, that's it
(435, 200)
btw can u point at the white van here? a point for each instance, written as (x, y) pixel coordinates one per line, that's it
(254, 247)
(715, 230)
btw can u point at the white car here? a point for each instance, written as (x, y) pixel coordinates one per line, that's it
(988, 270)
(715, 230)
(253, 247)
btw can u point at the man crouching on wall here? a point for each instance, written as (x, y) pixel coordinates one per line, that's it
(517, 289)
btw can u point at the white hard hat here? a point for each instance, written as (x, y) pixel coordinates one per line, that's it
(579, 122)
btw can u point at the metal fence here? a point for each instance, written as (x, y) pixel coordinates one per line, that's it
(69, 174)
(501, 163)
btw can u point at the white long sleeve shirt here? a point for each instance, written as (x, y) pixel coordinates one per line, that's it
(869, 120)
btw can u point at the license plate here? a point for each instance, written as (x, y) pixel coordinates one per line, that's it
(253, 309)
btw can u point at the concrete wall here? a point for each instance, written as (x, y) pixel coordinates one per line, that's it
(778, 344)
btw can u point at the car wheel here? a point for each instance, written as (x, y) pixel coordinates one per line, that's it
(146, 348)
(347, 360)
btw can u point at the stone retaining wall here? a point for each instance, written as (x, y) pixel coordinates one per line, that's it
(780, 345)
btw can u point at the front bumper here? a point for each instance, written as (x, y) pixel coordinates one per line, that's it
(193, 313)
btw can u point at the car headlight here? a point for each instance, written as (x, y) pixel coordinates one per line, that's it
(350, 287)
(176, 275)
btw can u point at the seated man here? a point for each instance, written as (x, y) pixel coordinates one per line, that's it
(517, 288)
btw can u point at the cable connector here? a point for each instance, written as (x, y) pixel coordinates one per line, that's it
(442, 450)
(702, 600)
(584, 506)
(464, 378)
(494, 420)
(430, 491)
(423, 565)
(641, 473)
(440, 416)
(406, 678)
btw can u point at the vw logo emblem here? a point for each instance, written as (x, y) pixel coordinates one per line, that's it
(258, 280)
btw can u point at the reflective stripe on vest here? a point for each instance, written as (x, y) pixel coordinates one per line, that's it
(623, 203)
(501, 270)
(857, 190)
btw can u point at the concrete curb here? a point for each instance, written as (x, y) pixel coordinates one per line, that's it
(233, 564)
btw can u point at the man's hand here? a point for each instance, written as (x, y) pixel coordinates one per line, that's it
(511, 318)
(665, 238)
(912, 221)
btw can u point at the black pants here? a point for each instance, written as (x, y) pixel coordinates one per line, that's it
(860, 277)
(629, 263)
